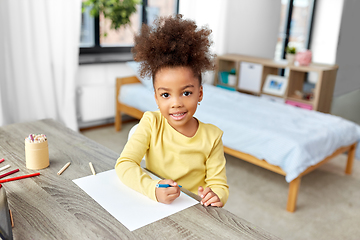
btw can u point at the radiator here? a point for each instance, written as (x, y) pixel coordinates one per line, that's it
(95, 102)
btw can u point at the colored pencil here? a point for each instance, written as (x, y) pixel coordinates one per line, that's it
(165, 185)
(4, 167)
(1, 160)
(64, 168)
(9, 173)
(20, 177)
(92, 168)
(11, 218)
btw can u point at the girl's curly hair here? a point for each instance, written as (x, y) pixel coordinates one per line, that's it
(172, 42)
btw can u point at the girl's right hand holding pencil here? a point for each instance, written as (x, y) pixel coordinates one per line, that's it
(169, 194)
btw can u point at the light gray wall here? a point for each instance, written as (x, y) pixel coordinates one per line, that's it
(346, 102)
(252, 27)
(348, 52)
(239, 26)
(347, 106)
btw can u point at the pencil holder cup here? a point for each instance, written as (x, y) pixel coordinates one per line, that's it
(37, 155)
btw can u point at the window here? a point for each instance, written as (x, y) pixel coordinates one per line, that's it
(295, 25)
(92, 39)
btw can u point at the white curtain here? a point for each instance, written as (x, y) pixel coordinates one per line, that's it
(39, 46)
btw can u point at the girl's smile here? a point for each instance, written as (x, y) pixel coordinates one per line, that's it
(178, 116)
(177, 93)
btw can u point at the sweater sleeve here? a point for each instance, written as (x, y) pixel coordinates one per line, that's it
(216, 172)
(128, 166)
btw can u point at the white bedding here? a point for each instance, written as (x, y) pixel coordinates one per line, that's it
(283, 135)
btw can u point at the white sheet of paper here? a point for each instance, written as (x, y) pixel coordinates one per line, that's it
(132, 209)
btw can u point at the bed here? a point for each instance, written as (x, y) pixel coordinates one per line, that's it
(278, 137)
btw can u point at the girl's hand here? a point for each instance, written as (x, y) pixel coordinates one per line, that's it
(167, 195)
(209, 197)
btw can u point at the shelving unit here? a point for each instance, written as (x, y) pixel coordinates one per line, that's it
(322, 92)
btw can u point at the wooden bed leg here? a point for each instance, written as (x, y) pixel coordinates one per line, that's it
(117, 120)
(350, 160)
(293, 193)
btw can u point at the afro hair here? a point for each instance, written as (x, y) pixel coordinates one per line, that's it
(173, 42)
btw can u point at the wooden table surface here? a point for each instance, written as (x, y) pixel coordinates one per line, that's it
(50, 206)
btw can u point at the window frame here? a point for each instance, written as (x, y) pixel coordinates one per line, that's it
(98, 49)
(288, 26)
(288, 19)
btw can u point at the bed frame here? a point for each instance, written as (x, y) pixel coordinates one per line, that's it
(293, 185)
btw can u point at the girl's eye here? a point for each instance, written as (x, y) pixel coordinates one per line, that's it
(165, 95)
(187, 93)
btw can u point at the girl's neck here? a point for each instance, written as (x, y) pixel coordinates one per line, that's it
(190, 129)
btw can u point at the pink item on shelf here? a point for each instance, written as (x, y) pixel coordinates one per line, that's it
(299, 104)
(304, 58)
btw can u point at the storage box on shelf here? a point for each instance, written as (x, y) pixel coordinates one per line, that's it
(251, 73)
(223, 76)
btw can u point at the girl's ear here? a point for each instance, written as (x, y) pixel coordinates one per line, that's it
(200, 93)
(156, 99)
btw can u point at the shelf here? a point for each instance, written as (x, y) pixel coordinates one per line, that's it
(224, 65)
(249, 92)
(296, 99)
(322, 91)
(273, 95)
(225, 86)
(313, 67)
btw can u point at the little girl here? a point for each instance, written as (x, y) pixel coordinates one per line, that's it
(177, 146)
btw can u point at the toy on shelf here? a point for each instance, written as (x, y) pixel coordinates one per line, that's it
(304, 58)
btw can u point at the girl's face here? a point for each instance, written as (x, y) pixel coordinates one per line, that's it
(177, 93)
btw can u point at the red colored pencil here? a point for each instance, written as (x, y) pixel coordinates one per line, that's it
(20, 177)
(8, 173)
(1, 160)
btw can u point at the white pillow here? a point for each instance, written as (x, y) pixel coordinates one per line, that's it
(147, 81)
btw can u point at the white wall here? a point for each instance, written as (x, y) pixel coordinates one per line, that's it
(242, 27)
(239, 27)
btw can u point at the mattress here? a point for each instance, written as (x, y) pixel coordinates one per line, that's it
(285, 136)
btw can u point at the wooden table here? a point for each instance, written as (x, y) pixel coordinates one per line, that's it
(50, 206)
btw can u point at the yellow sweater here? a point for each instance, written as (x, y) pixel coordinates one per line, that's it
(190, 161)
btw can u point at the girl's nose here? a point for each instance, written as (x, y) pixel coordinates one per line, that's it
(177, 103)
